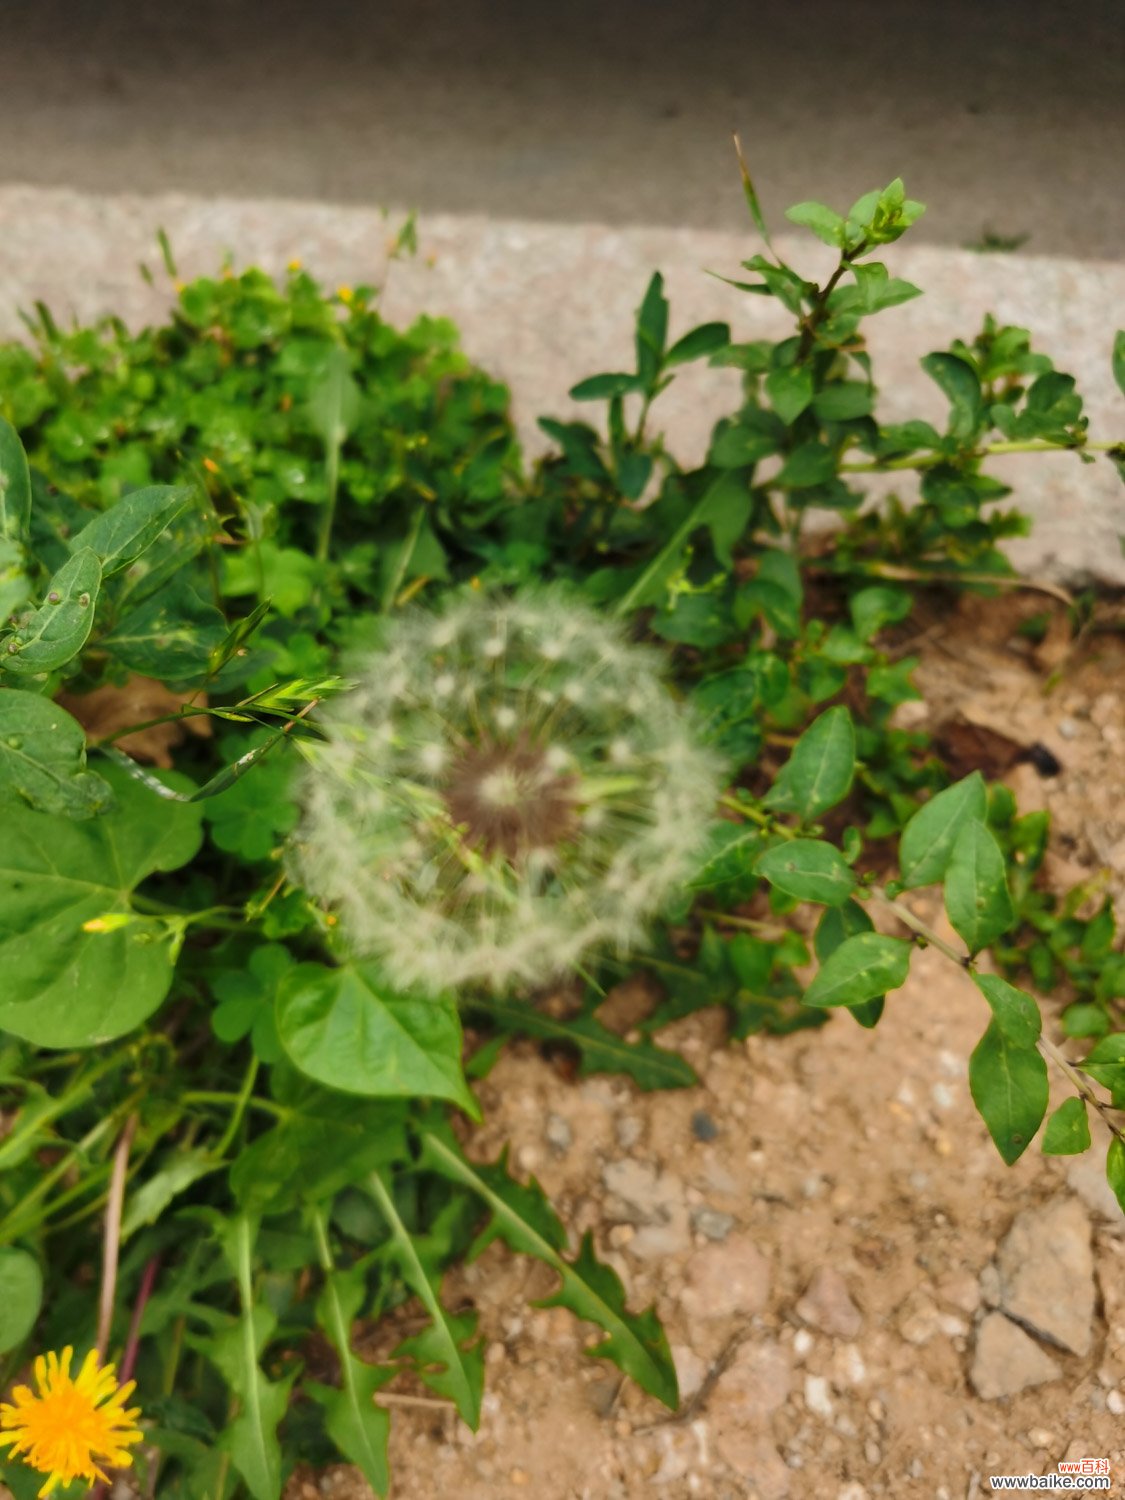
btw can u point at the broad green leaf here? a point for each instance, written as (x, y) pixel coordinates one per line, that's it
(927, 840)
(837, 924)
(347, 1029)
(600, 1050)
(818, 774)
(977, 901)
(355, 1424)
(728, 856)
(873, 608)
(334, 401)
(708, 338)
(724, 507)
(652, 330)
(1105, 1062)
(961, 386)
(21, 1295)
(1068, 1130)
(172, 636)
(459, 1375)
(15, 486)
(119, 535)
(824, 222)
(1115, 1170)
(523, 1218)
(862, 968)
(59, 628)
(71, 977)
(1014, 1012)
(1009, 1087)
(251, 1439)
(844, 401)
(878, 290)
(790, 391)
(43, 758)
(809, 869)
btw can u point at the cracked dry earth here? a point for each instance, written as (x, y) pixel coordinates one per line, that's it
(862, 1300)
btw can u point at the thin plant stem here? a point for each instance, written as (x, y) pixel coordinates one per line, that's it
(111, 1244)
(987, 450)
(241, 1103)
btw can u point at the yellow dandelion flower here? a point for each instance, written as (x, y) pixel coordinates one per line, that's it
(70, 1426)
(345, 293)
(295, 264)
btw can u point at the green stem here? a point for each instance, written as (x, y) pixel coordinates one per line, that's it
(216, 1096)
(12, 1146)
(328, 515)
(749, 924)
(239, 1109)
(988, 450)
(755, 815)
(920, 928)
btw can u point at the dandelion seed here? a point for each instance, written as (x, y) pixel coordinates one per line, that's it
(70, 1426)
(466, 830)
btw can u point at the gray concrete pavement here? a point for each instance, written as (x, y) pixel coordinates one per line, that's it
(1002, 115)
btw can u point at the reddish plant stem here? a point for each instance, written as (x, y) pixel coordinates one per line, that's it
(133, 1338)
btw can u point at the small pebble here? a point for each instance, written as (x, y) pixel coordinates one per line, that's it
(817, 1398)
(559, 1134)
(802, 1342)
(872, 1453)
(1068, 728)
(1115, 1403)
(703, 1126)
(712, 1224)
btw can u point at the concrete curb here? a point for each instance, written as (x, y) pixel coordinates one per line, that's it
(543, 305)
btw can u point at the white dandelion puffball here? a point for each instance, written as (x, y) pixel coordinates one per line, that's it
(509, 787)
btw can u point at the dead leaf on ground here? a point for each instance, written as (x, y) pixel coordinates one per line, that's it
(109, 709)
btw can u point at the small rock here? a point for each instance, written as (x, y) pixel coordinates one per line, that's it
(917, 1318)
(755, 1460)
(728, 1278)
(1046, 1270)
(827, 1305)
(1069, 728)
(559, 1134)
(1115, 1403)
(703, 1126)
(1041, 1437)
(817, 1399)
(712, 1224)
(873, 1453)
(691, 1371)
(1006, 1360)
(853, 1491)
(961, 1289)
(755, 1383)
(848, 1367)
(802, 1342)
(628, 1130)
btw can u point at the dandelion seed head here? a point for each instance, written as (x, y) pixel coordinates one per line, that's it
(466, 826)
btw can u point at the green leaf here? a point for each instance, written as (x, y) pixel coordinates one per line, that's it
(738, 444)
(604, 387)
(460, 1373)
(523, 1218)
(251, 1439)
(862, 968)
(173, 636)
(807, 467)
(708, 338)
(819, 773)
(15, 486)
(880, 291)
(652, 330)
(724, 507)
(809, 869)
(873, 608)
(790, 391)
(824, 223)
(1014, 1012)
(119, 535)
(600, 1050)
(728, 857)
(1118, 361)
(1068, 1130)
(147, 1202)
(1009, 1087)
(1115, 1170)
(977, 901)
(43, 758)
(355, 1424)
(844, 401)
(21, 1296)
(927, 840)
(334, 401)
(837, 924)
(347, 1029)
(1106, 1064)
(65, 986)
(961, 385)
(775, 592)
(59, 628)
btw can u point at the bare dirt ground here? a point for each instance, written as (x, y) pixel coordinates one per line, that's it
(823, 1224)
